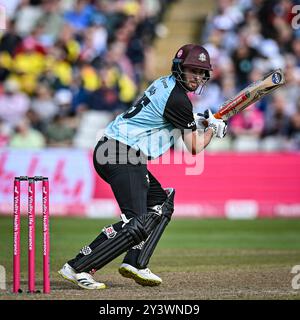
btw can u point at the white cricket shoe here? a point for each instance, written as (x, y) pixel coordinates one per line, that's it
(86, 281)
(68, 273)
(83, 279)
(144, 277)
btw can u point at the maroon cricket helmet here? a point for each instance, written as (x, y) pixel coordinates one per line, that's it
(191, 55)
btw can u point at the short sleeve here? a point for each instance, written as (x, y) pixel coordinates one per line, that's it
(179, 110)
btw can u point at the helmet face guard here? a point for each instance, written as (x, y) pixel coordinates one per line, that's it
(193, 56)
(180, 76)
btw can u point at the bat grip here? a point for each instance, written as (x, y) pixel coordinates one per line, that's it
(217, 115)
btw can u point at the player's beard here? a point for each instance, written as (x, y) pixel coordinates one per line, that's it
(197, 89)
(181, 78)
(200, 89)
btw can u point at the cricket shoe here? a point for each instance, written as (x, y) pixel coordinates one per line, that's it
(83, 279)
(68, 273)
(86, 281)
(144, 277)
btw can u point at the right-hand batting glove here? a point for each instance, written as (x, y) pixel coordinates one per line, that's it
(200, 121)
(218, 126)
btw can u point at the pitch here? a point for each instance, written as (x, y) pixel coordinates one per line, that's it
(197, 259)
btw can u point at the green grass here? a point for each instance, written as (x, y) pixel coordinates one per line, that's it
(233, 234)
(210, 240)
(188, 245)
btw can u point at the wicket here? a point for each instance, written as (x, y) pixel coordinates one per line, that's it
(31, 233)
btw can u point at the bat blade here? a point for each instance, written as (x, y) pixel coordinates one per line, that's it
(251, 94)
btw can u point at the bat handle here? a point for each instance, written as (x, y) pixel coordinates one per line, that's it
(217, 115)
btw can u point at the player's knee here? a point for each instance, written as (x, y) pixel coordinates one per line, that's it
(167, 207)
(137, 230)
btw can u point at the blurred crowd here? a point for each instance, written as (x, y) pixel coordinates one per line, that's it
(247, 39)
(60, 59)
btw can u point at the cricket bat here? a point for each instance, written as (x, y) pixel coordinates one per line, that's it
(250, 94)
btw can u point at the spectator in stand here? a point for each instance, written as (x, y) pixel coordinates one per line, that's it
(80, 94)
(26, 137)
(107, 97)
(294, 129)
(11, 7)
(243, 59)
(51, 20)
(4, 133)
(43, 104)
(97, 34)
(27, 15)
(29, 63)
(120, 72)
(58, 133)
(35, 121)
(70, 43)
(270, 57)
(265, 13)
(246, 128)
(13, 103)
(79, 18)
(5, 66)
(63, 99)
(59, 67)
(276, 123)
(291, 88)
(116, 55)
(88, 76)
(121, 47)
(296, 50)
(10, 39)
(249, 122)
(140, 50)
(281, 18)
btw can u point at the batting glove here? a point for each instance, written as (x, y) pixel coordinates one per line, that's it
(218, 126)
(201, 121)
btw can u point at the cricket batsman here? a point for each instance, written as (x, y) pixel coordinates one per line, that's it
(141, 133)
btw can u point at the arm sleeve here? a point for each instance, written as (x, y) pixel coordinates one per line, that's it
(179, 111)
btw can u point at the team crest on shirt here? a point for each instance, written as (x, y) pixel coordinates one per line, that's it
(202, 57)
